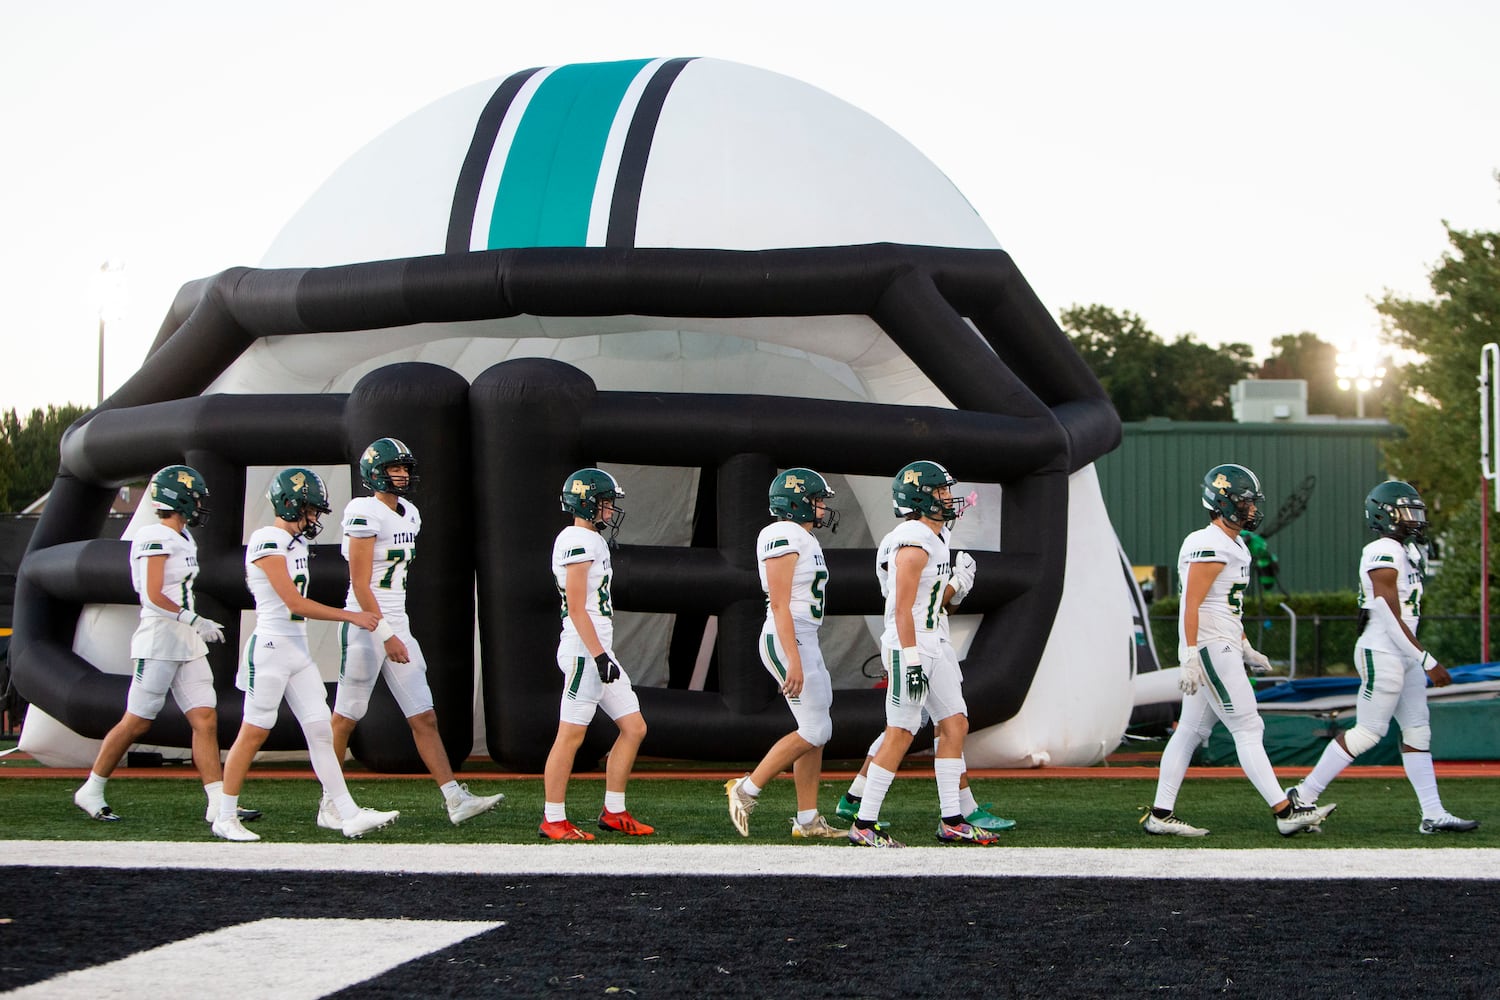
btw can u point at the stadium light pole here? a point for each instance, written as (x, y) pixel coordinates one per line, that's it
(1359, 369)
(110, 293)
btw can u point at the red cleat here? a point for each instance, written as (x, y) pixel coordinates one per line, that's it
(623, 822)
(562, 830)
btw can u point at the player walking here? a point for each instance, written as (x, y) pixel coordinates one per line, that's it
(168, 646)
(1214, 567)
(795, 579)
(919, 675)
(277, 663)
(592, 676)
(380, 544)
(1393, 666)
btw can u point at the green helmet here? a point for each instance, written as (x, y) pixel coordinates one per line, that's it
(581, 493)
(1395, 510)
(180, 489)
(293, 491)
(381, 455)
(1229, 491)
(912, 492)
(793, 497)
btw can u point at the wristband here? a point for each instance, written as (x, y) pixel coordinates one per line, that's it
(383, 631)
(1427, 661)
(911, 656)
(192, 616)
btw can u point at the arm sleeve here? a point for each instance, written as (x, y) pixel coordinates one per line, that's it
(1385, 618)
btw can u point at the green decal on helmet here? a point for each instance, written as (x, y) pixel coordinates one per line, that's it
(297, 492)
(1395, 510)
(914, 488)
(793, 497)
(581, 493)
(378, 458)
(180, 489)
(1230, 491)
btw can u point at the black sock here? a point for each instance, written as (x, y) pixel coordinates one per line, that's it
(1160, 813)
(953, 820)
(865, 824)
(1284, 811)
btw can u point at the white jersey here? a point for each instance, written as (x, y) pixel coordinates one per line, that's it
(809, 576)
(158, 637)
(578, 545)
(1220, 614)
(395, 534)
(1387, 553)
(272, 616)
(927, 608)
(883, 570)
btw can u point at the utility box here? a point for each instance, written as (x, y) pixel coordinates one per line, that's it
(1269, 400)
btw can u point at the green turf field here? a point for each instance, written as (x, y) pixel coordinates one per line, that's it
(1088, 812)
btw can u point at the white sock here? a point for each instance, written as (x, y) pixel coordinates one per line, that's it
(614, 801)
(344, 805)
(554, 812)
(213, 788)
(1257, 766)
(857, 786)
(229, 806)
(966, 801)
(1333, 760)
(749, 787)
(1175, 759)
(877, 783)
(948, 771)
(1418, 765)
(451, 791)
(95, 783)
(806, 816)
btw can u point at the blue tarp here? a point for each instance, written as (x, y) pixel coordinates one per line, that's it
(1312, 688)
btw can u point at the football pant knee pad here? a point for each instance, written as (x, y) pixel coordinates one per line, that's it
(1359, 739)
(1419, 738)
(817, 733)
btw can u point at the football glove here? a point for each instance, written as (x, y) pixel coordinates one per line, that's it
(208, 629)
(961, 576)
(916, 677)
(1255, 660)
(1191, 676)
(609, 670)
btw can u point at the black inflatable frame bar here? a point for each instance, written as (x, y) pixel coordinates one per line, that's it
(966, 317)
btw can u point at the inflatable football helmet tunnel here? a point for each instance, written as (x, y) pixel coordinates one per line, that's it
(542, 322)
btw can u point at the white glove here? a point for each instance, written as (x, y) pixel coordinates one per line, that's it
(1191, 676)
(1255, 660)
(961, 576)
(208, 629)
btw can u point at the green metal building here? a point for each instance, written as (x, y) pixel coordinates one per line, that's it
(1152, 487)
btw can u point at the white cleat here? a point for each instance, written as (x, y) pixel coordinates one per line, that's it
(1170, 826)
(94, 805)
(1448, 823)
(367, 820)
(468, 805)
(233, 829)
(740, 805)
(816, 828)
(1304, 817)
(328, 816)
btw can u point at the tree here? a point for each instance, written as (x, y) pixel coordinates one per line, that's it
(33, 448)
(1147, 377)
(1307, 356)
(1436, 406)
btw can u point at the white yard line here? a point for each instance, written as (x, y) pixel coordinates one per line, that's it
(730, 860)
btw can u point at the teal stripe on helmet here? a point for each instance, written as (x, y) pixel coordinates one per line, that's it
(547, 187)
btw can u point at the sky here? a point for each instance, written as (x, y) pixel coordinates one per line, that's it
(1231, 172)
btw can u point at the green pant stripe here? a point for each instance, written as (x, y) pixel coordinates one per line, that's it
(250, 666)
(771, 655)
(1367, 678)
(1215, 680)
(546, 190)
(343, 648)
(579, 663)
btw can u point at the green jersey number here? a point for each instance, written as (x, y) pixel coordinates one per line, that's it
(400, 560)
(300, 582)
(819, 597)
(1237, 599)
